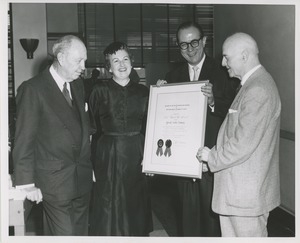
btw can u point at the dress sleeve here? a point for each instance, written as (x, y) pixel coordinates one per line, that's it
(144, 121)
(95, 101)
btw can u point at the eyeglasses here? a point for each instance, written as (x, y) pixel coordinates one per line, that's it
(185, 45)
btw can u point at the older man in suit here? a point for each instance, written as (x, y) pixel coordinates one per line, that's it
(52, 141)
(245, 161)
(196, 217)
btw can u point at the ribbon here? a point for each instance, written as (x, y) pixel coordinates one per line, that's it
(159, 151)
(168, 148)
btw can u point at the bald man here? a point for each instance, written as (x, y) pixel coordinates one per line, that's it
(245, 161)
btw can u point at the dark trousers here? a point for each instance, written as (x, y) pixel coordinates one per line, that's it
(197, 217)
(69, 217)
(165, 202)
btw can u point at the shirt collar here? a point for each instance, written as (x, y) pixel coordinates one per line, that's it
(199, 65)
(248, 74)
(58, 79)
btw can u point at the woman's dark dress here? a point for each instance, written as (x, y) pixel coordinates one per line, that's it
(120, 203)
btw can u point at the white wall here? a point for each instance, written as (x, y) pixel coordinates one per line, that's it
(28, 21)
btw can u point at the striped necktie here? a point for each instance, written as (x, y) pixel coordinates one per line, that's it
(66, 93)
(195, 78)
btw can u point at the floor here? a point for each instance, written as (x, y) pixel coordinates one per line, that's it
(280, 224)
(34, 223)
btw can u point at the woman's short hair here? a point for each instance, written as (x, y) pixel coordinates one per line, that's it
(112, 49)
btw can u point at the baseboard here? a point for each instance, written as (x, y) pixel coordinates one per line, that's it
(283, 221)
(287, 210)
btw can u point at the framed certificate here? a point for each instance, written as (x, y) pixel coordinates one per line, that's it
(175, 129)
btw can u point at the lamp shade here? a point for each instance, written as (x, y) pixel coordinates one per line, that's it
(29, 45)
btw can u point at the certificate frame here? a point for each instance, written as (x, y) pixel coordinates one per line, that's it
(175, 129)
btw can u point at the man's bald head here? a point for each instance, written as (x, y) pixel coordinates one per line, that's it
(240, 54)
(242, 41)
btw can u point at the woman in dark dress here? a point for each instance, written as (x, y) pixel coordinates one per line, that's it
(120, 204)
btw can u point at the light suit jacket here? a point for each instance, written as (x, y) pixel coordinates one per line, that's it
(52, 146)
(246, 157)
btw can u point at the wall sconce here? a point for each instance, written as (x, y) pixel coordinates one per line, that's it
(29, 45)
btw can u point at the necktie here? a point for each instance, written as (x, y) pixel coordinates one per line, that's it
(66, 93)
(195, 78)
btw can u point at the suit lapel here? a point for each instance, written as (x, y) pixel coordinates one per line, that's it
(205, 70)
(184, 73)
(59, 105)
(78, 96)
(248, 83)
(184, 76)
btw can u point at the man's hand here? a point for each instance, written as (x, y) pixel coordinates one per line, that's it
(33, 194)
(204, 167)
(207, 91)
(202, 154)
(160, 82)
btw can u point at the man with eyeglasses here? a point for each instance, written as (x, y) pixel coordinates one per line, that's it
(195, 215)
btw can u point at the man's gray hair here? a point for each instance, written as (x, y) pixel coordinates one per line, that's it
(63, 44)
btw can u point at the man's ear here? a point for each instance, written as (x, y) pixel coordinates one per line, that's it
(60, 58)
(245, 55)
(204, 40)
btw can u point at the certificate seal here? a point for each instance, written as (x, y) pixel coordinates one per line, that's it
(160, 144)
(168, 148)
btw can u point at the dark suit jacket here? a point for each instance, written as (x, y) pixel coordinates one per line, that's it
(52, 146)
(222, 90)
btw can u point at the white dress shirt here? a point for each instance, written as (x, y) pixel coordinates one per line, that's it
(248, 74)
(59, 80)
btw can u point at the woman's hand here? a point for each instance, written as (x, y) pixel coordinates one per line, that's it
(160, 82)
(149, 174)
